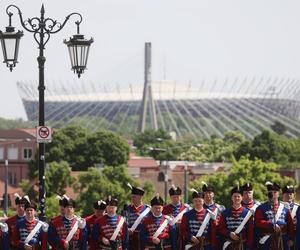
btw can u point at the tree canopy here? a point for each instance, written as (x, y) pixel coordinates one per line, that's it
(245, 170)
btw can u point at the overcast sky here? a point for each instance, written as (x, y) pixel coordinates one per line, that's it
(191, 40)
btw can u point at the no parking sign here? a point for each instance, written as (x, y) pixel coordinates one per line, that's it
(43, 134)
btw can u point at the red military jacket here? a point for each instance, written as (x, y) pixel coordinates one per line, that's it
(58, 232)
(90, 221)
(12, 224)
(23, 229)
(174, 210)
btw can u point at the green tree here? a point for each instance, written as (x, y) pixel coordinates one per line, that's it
(95, 185)
(58, 178)
(106, 148)
(245, 170)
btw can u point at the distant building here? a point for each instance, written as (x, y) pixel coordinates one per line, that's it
(18, 147)
(147, 169)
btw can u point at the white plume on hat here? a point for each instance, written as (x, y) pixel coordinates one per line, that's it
(268, 183)
(157, 195)
(58, 197)
(17, 195)
(193, 190)
(204, 183)
(101, 201)
(129, 185)
(66, 197)
(173, 187)
(26, 198)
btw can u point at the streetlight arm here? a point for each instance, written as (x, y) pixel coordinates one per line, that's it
(59, 25)
(42, 26)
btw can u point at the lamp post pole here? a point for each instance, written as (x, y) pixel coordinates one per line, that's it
(42, 28)
(185, 182)
(5, 188)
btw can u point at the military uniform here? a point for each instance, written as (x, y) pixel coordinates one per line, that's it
(136, 214)
(298, 228)
(176, 212)
(13, 221)
(106, 226)
(90, 221)
(4, 242)
(60, 229)
(267, 216)
(192, 225)
(158, 227)
(24, 228)
(230, 221)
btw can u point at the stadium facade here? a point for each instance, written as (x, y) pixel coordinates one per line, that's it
(184, 109)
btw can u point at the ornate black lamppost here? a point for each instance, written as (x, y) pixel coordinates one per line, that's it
(42, 28)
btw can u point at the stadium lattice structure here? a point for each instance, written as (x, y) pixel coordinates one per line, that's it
(209, 108)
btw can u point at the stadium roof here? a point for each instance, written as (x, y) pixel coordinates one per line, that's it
(210, 108)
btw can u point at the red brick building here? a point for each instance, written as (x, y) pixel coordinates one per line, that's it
(18, 147)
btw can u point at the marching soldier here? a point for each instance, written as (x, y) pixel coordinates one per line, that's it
(197, 227)
(99, 211)
(156, 232)
(30, 233)
(68, 231)
(110, 231)
(288, 197)
(136, 212)
(209, 203)
(13, 221)
(273, 222)
(298, 228)
(4, 242)
(236, 224)
(248, 200)
(175, 210)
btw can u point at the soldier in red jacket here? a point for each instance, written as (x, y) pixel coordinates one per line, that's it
(12, 221)
(236, 224)
(175, 210)
(197, 227)
(68, 231)
(110, 231)
(30, 233)
(99, 211)
(136, 212)
(156, 232)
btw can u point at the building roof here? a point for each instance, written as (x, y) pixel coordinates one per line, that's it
(18, 134)
(142, 162)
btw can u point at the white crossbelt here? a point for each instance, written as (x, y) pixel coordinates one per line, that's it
(201, 229)
(139, 219)
(294, 210)
(118, 228)
(178, 217)
(266, 237)
(4, 227)
(162, 227)
(243, 223)
(33, 232)
(72, 231)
